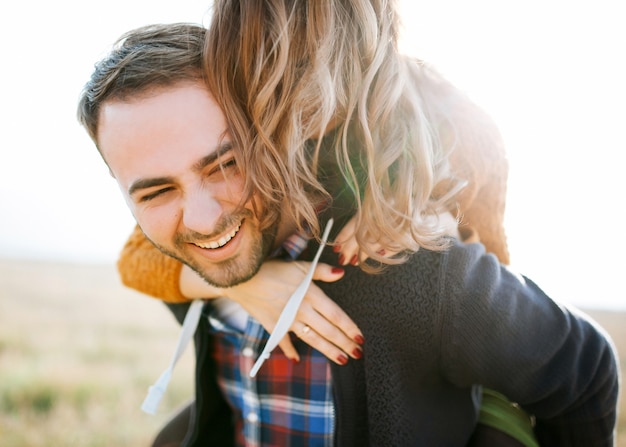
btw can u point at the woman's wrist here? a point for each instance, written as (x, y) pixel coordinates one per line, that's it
(192, 286)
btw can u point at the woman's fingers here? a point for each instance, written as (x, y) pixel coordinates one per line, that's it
(322, 324)
(330, 330)
(348, 255)
(340, 356)
(328, 308)
(324, 272)
(349, 252)
(288, 349)
(332, 313)
(345, 244)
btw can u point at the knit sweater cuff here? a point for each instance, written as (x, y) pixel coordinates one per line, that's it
(144, 268)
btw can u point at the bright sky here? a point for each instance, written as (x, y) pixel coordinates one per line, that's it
(551, 73)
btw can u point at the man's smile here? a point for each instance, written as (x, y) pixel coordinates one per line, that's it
(221, 241)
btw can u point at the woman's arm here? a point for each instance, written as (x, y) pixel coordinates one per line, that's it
(144, 268)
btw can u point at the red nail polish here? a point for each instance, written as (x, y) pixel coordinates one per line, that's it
(342, 259)
(337, 248)
(342, 359)
(359, 339)
(357, 353)
(337, 270)
(354, 260)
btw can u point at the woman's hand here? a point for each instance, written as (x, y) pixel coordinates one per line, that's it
(320, 322)
(348, 248)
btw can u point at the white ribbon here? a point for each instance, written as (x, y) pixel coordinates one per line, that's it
(190, 324)
(155, 394)
(291, 308)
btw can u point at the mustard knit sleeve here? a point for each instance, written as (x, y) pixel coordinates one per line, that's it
(482, 203)
(480, 158)
(144, 268)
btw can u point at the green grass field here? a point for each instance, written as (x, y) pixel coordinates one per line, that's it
(78, 352)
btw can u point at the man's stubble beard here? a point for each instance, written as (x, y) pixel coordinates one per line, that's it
(233, 271)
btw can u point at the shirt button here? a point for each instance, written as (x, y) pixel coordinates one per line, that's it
(252, 417)
(247, 352)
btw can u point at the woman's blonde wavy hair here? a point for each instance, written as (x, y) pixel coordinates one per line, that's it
(286, 72)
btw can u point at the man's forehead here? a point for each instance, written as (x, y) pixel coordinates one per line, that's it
(165, 102)
(178, 125)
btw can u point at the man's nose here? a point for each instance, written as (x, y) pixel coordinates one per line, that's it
(202, 211)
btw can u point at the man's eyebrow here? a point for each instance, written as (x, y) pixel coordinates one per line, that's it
(198, 166)
(148, 183)
(222, 149)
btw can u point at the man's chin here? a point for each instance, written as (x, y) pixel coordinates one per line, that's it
(240, 268)
(224, 274)
(233, 271)
(228, 274)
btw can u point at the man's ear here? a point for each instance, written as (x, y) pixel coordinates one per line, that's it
(111, 173)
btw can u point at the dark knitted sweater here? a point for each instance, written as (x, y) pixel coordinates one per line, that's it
(437, 328)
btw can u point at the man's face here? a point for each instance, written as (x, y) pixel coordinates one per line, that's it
(165, 149)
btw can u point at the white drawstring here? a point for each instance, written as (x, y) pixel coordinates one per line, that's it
(155, 394)
(291, 308)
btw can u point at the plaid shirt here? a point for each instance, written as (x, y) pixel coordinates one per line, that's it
(287, 403)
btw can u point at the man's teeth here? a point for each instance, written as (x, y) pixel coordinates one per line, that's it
(221, 241)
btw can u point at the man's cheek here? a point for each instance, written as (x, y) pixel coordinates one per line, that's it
(154, 226)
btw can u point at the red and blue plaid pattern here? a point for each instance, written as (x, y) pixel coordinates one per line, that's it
(288, 403)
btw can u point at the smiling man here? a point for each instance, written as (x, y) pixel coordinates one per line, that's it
(170, 152)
